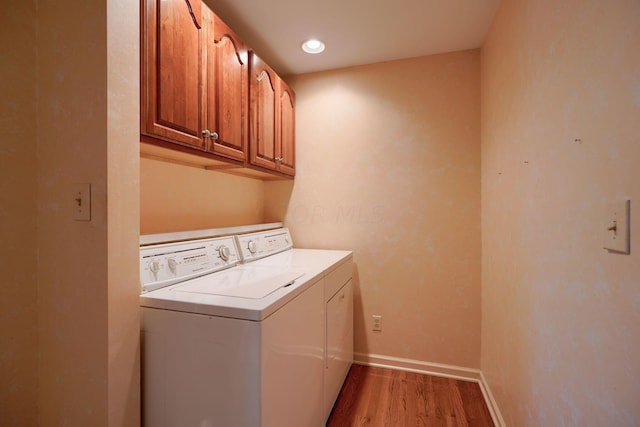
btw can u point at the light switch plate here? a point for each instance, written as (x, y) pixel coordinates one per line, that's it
(616, 232)
(82, 202)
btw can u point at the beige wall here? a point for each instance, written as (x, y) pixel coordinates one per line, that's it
(69, 295)
(560, 317)
(72, 264)
(18, 186)
(388, 165)
(123, 213)
(177, 198)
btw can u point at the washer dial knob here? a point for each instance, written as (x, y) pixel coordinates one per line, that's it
(252, 246)
(224, 252)
(173, 265)
(154, 267)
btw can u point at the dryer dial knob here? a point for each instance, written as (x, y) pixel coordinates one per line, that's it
(252, 246)
(224, 252)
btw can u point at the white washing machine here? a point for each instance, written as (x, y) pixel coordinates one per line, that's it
(234, 331)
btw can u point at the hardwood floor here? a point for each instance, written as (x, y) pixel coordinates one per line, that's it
(382, 397)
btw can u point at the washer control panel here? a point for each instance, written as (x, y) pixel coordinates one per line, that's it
(259, 245)
(166, 264)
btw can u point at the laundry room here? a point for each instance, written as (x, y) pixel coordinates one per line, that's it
(487, 195)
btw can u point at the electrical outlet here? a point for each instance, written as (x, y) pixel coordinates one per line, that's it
(377, 322)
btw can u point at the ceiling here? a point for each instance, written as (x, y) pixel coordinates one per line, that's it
(355, 32)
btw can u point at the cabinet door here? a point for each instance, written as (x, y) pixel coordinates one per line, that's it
(285, 146)
(263, 88)
(171, 70)
(227, 90)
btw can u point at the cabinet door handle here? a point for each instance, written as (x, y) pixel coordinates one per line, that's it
(208, 137)
(205, 135)
(208, 134)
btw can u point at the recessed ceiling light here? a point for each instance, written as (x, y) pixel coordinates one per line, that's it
(313, 46)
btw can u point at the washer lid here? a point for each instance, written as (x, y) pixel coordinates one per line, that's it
(240, 283)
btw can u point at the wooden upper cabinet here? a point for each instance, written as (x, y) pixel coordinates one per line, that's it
(263, 120)
(171, 77)
(272, 129)
(226, 93)
(285, 147)
(204, 94)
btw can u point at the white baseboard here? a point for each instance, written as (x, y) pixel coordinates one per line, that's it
(436, 369)
(412, 365)
(496, 415)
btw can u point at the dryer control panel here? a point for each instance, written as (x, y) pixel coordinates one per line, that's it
(259, 245)
(166, 264)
